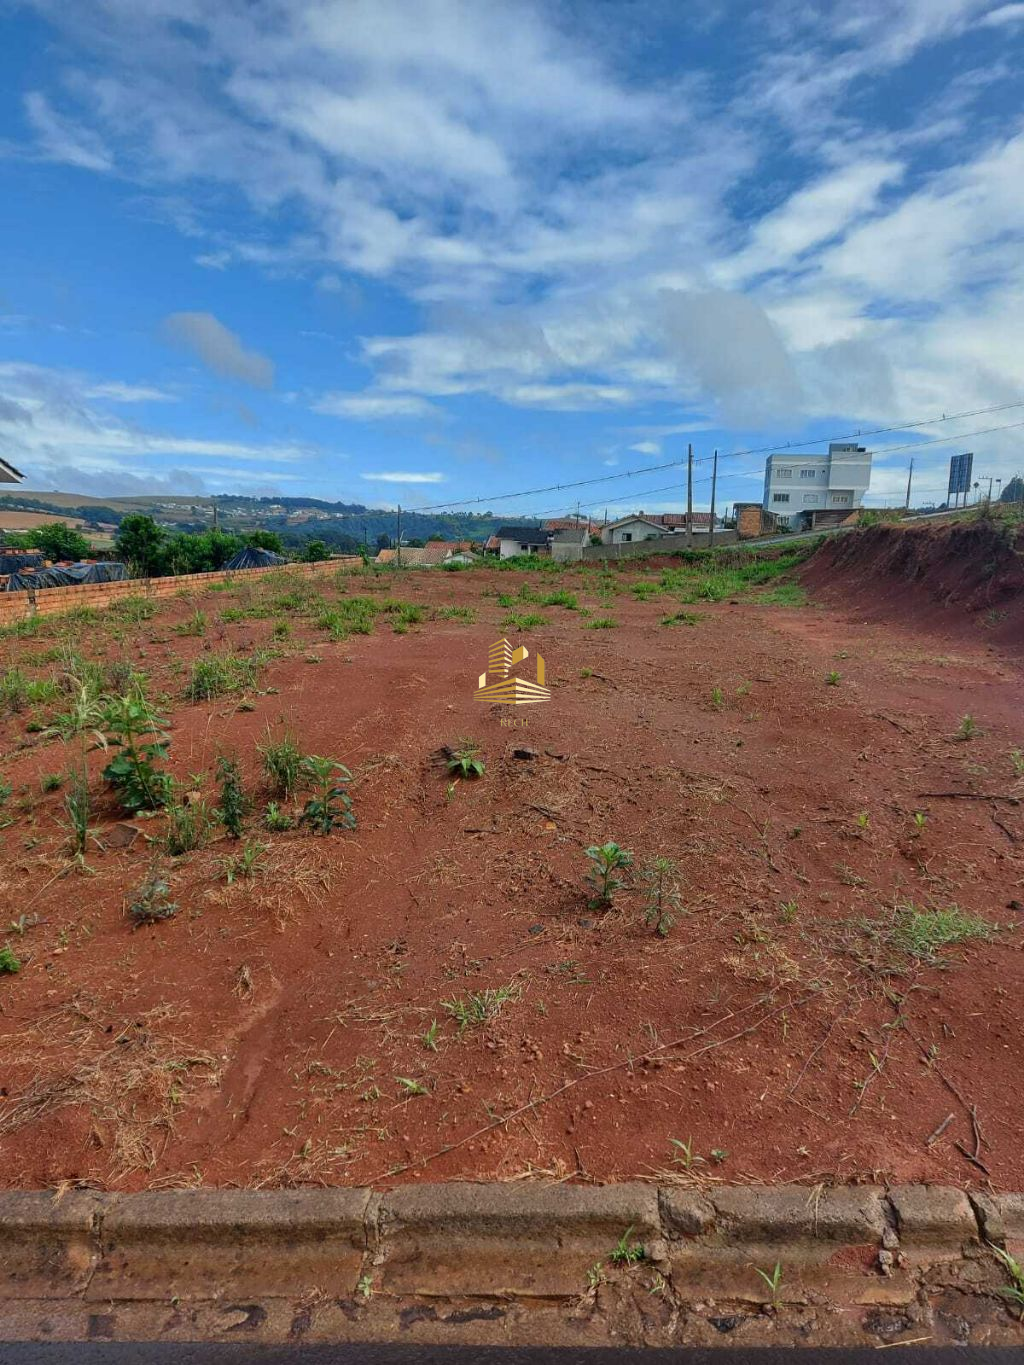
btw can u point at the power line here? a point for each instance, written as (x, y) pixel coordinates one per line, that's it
(738, 454)
(756, 470)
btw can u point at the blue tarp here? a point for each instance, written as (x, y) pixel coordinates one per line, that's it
(251, 558)
(13, 560)
(67, 576)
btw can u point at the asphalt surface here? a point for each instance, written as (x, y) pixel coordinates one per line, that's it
(185, 1353)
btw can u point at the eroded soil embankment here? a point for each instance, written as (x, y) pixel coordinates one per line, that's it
(963, 580)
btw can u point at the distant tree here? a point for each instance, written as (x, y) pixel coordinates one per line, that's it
(201, 553)
(383, 541)
(263, 540)
(436, 536)
(414, 543)
(58, 541)
(140, 542)
(315, 551)
(1014, 490)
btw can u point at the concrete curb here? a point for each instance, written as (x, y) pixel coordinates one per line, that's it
(859, 1247)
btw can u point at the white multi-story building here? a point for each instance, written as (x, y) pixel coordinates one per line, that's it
(833, 483)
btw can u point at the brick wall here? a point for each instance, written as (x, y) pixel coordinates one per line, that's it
(748, 522)
(18, 606)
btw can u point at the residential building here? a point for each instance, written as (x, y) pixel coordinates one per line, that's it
(648, 526)
(8, 473)
(434, 552)
(567, 543)
(521, 540)
(635, 527)
(810, 486)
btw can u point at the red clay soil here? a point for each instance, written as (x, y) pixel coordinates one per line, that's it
(962, 580)
(280, 1030)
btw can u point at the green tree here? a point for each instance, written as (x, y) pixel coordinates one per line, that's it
(383, 541)
(141, 543)
(264, 540)
(315, 551)
(58, 541)
(200, 553)
(1014, 490)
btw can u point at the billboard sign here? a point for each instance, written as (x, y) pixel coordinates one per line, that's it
(960, 470)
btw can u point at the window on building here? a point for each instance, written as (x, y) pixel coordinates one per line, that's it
(808, 473)
(841, 499)
(627, 535)
(780, 497)
(783, 472)
(810, 497)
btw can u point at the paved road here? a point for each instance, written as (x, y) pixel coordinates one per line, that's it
(165, 1353)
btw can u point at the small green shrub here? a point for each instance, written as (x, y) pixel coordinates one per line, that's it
(330, 804)
(9, 964)
(131, 725)
(282, 764)
(464, 760)
(601, 623)
(968, 728)
(605, 861)
(189, 825)
(150, 903)
(234, 804)
(245, 864)
(661, 879)
(276, 819)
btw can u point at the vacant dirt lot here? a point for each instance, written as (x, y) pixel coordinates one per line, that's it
(843, 971)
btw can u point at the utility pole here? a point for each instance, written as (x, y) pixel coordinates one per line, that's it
(689, 495)
(714, 480)
(399, 540)
(910, 476)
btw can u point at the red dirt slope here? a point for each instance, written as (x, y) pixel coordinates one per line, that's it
(964, 579)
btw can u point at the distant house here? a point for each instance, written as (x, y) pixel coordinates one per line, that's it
(492, 545)
(8, 473)
(433, 553)
(572, 524)
(628, 529)
(521, 540)
(568, 543)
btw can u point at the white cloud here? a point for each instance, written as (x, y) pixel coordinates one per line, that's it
(567, 397)
(646, 448)
(404, 477)
(50, 428)
(60, 139)
(1005, 14)
(118, 392)
(219, 349)
(374, 407)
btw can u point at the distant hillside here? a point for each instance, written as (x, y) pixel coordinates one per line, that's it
(342, 525)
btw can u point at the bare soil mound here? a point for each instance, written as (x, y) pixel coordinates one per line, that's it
(960, 579)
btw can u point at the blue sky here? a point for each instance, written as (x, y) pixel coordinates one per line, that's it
(421, 251)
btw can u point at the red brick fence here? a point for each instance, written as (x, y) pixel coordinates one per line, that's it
(19, 606)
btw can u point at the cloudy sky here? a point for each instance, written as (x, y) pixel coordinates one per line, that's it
(428, 250)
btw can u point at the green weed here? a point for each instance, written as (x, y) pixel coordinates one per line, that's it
(605, 861)
(330, 804)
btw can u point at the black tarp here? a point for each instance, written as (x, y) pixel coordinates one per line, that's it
(251, 558)
(13, 560)
(67, 576)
